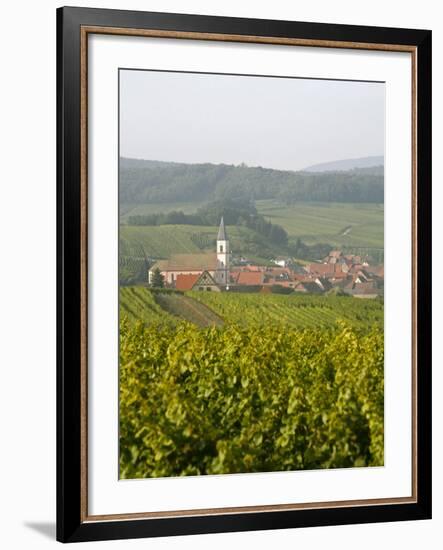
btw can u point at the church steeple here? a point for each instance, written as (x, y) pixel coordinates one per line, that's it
(222, 236)
(222, 273)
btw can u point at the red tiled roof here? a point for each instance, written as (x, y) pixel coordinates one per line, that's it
(186, 282)
(336, 275)
(249, 278)
(298, 276)
(255, 268)
(322, 268)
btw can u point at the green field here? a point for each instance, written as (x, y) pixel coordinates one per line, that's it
(339, 224)
(158, 241)
(218, 309)
(357, 228)
(293, 311)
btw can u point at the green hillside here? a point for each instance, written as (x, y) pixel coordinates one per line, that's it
(138, 304)
(188, 309)
(293, 311)
(356, 227)
(217, 309)
(148, 182)
(168, 208)
(339, 224)
(163, 240)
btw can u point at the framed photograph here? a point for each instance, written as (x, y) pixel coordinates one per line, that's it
(244, 274)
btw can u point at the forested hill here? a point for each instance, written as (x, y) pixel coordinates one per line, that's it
(144, 181)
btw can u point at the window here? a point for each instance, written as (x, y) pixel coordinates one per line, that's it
(221, 248)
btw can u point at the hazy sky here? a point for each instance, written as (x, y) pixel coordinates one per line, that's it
(281, 123)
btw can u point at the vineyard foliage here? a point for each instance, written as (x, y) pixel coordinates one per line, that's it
(248, 398)
(161, 306)
(138, 303)
(294, 310)
(207, 308)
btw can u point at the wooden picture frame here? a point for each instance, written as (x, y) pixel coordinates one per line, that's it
(74, 25)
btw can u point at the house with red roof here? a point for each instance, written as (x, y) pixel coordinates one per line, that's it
(191, 281)
(250, 278)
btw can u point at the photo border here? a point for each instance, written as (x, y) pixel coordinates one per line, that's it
(73, 27)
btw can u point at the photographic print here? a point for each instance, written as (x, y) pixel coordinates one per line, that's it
(231, 355)
(251, 271)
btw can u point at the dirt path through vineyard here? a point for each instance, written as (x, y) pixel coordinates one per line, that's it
(189, 309)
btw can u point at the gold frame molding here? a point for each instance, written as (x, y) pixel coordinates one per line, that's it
(84, 33)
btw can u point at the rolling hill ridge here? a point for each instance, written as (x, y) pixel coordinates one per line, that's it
(154, 182)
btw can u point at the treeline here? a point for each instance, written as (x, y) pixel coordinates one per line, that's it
(175, 217)
(314, 252)
(234, 213)
(144, 181)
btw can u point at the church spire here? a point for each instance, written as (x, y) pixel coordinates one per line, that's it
(222, 272)
(222, 236)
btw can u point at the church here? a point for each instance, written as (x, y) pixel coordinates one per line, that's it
(208, 271)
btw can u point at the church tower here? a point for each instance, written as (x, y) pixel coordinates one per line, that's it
(222, 273)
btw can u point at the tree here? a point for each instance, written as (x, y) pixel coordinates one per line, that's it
(278, 235)
(158, 281)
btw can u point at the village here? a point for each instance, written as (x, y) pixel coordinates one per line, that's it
(338, 273)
